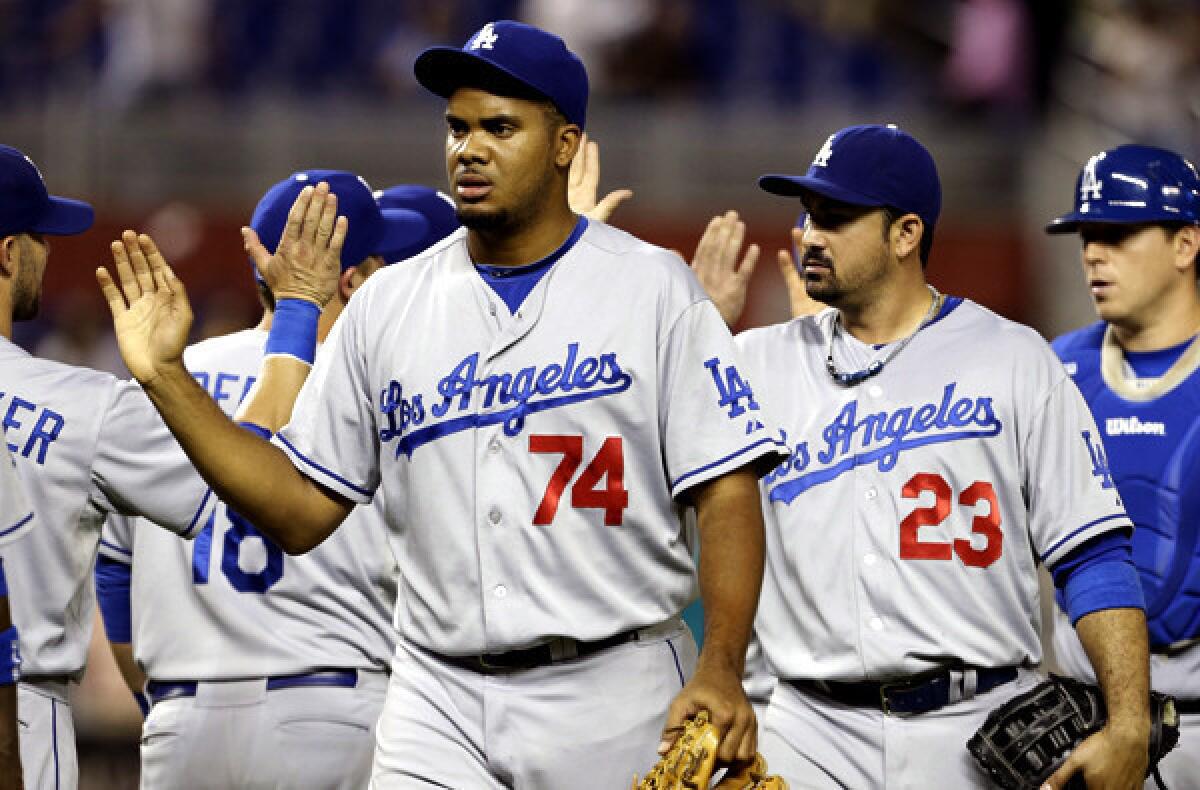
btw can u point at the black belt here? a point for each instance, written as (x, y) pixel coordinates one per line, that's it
(1187, 706)
(561, 649)
(918, 694)
(337, 678)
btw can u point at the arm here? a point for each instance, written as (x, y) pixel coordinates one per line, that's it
(152, 317)
(729, 518)
(583, 181)
(113, 583)
(1116, 757)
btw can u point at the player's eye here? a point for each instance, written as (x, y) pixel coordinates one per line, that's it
(1110, 235)
(500, 128)
(455, 127)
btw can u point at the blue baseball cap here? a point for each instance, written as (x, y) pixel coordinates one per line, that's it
(510, 58)
(1133, 184)
(436, 207)
(371, 230)
(26, 206)
(869, 165)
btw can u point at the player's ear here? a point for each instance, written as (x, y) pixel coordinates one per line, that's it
(9, 251)
(905, 235)
(566, 144)
(347, 283)
(1187, 247)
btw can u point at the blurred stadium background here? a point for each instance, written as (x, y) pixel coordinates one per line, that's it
(173, 116)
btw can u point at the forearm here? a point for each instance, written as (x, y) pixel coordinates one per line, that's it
(729, 517)
(269, 403)
(10, 749)
(1117, 645)
(248, 473)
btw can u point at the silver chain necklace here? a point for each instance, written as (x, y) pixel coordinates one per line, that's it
(850, 379)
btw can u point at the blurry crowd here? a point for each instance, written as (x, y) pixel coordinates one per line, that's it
(1137, 56)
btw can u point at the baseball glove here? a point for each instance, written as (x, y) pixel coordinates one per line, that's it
(1026, 739)
(692, 760)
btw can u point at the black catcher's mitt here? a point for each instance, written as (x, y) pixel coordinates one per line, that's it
(1026, 739)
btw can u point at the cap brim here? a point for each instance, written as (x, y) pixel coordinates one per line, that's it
(66, 217)
(401, 228)
(799, 186)
(443, 70)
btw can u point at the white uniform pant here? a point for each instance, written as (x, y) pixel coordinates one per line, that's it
(589, 723)
(814, 742)
(47, 734)
(239, 734)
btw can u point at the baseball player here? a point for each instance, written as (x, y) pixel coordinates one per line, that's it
(1137, 211)
(86, 445)
(16, 518)
(937, 452)
(536, 397)
(251, 654)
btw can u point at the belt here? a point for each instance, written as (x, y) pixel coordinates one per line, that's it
(177, 689)
(560, 649)
(917, 694)
(1187, 705)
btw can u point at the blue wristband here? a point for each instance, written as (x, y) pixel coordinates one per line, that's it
(294, 330)
(3, 581)
(10, 656)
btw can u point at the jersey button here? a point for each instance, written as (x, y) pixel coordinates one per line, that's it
(491, 308)
(875, 391)
(871, 493)
(500, 591)
(494, 515)
(869, 559)
(494, 446)
(876, 624)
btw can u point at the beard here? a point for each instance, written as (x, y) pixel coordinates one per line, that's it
(27, 291)
(483, 218)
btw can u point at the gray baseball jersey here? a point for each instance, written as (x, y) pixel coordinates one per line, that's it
(530, 462)
(86, 445)
(904, 530)
(247, 610)
(16, 516)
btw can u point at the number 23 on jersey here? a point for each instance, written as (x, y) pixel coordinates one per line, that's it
(979, 500)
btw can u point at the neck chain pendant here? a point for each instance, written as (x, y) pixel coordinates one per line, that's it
(876, 366)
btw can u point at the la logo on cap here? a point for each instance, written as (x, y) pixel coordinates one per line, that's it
(485, 38)
(1089, 184)
(822, 157)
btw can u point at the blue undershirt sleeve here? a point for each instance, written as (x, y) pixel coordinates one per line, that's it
(112, 590)
(1099, 574)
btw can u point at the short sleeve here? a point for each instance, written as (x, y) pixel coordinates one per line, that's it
(1072, 494)
(140, 469)
(711, 420)
(116, 539)
(332, 437)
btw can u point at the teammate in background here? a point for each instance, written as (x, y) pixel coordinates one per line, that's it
(86, 445)
(251, 655)
(530, 352)
(938, 450)
(1137, 212)
(16, 518)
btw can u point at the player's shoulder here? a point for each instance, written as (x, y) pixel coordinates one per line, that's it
(786, 337)
(398, 279)
(50, 376)
(603, 240)
(1088, 339)
(1006, 335)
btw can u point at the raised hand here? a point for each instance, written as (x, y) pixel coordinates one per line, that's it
(150, 309)
(799, 302)
(716, 264)
(307, 263)
(583, 181)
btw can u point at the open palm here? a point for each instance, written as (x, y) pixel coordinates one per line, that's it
(150, 309)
